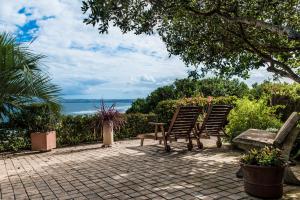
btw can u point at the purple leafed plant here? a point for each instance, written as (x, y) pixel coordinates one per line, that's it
(110, 113)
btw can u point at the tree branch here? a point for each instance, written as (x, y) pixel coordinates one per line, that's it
(286, 71)
(280, 49)
(281, 30)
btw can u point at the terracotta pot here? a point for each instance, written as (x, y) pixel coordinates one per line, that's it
(43, 141)
(262, 181)
(108, 133)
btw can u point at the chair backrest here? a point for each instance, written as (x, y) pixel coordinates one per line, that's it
(286, 128)
(215, 118)
(184, 120)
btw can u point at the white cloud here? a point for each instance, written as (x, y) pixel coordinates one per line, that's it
(130, 66)
(9, 17)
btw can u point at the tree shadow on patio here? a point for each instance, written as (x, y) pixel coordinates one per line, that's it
(127, 172)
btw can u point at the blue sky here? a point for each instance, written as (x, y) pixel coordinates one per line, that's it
(88, 65)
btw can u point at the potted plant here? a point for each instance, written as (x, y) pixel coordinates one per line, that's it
(40, 121)
(111, 119)
(263, 172)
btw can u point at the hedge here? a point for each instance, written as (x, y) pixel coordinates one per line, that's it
(77, 129)
(85, 129)
(72, 130)
(136, 123)
(14, 139)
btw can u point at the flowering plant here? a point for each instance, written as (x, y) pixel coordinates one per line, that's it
(110, 113)
(267, 156)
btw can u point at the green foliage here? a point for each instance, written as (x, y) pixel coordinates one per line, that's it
(166, 109)
(227, 37)
(83, 129)
(37, 117)
(77, 129)
(267, 156)
(270, 89)
(251, 114)
(186, 88)
(283, 94)
(218, 87)
(147, 105)
(138, 106)
(14, 140)
(160, 94)
(21, 79)
(136, 123)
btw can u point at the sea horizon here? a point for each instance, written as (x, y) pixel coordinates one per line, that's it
(90, 106)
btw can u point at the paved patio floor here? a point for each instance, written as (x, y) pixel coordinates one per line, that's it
(125, 171)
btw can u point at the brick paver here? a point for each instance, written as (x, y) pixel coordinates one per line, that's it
(125, 171)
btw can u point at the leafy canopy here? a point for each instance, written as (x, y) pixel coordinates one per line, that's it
(229, 37)
(21, 79)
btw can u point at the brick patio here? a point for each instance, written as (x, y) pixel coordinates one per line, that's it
(125, 171)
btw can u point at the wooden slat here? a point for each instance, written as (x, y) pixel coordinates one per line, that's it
(215, 119)
(185, 119)
(182, 126)
(214, 122)
(187, 115)
(182, 123)
(180, 130)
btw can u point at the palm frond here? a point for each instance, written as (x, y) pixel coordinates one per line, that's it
(21, 79)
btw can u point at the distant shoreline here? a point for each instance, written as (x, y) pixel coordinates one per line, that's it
(90, 106)
(95, 100)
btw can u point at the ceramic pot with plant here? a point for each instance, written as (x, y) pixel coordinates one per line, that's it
(111, 119)
(41, 121)
(263, 172)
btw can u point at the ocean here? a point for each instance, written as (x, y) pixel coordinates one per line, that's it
(90, 106)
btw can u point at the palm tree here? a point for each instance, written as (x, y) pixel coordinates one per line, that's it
(21, 79)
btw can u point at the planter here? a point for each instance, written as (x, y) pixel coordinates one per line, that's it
(262, 181)
(43, 141)
(108, 133)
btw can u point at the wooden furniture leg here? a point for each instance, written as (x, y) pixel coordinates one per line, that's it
(142, 142)
(165, 138)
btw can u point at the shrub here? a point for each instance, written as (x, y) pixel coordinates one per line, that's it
(77, 129)
(251, 114)
(14, 140)
(37, 117)
(286, 95)
(138, 106)
(136, 123)
(267, 156)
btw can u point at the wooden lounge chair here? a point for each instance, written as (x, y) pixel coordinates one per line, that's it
(283, 139)
(213, 123)
(181, 126)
